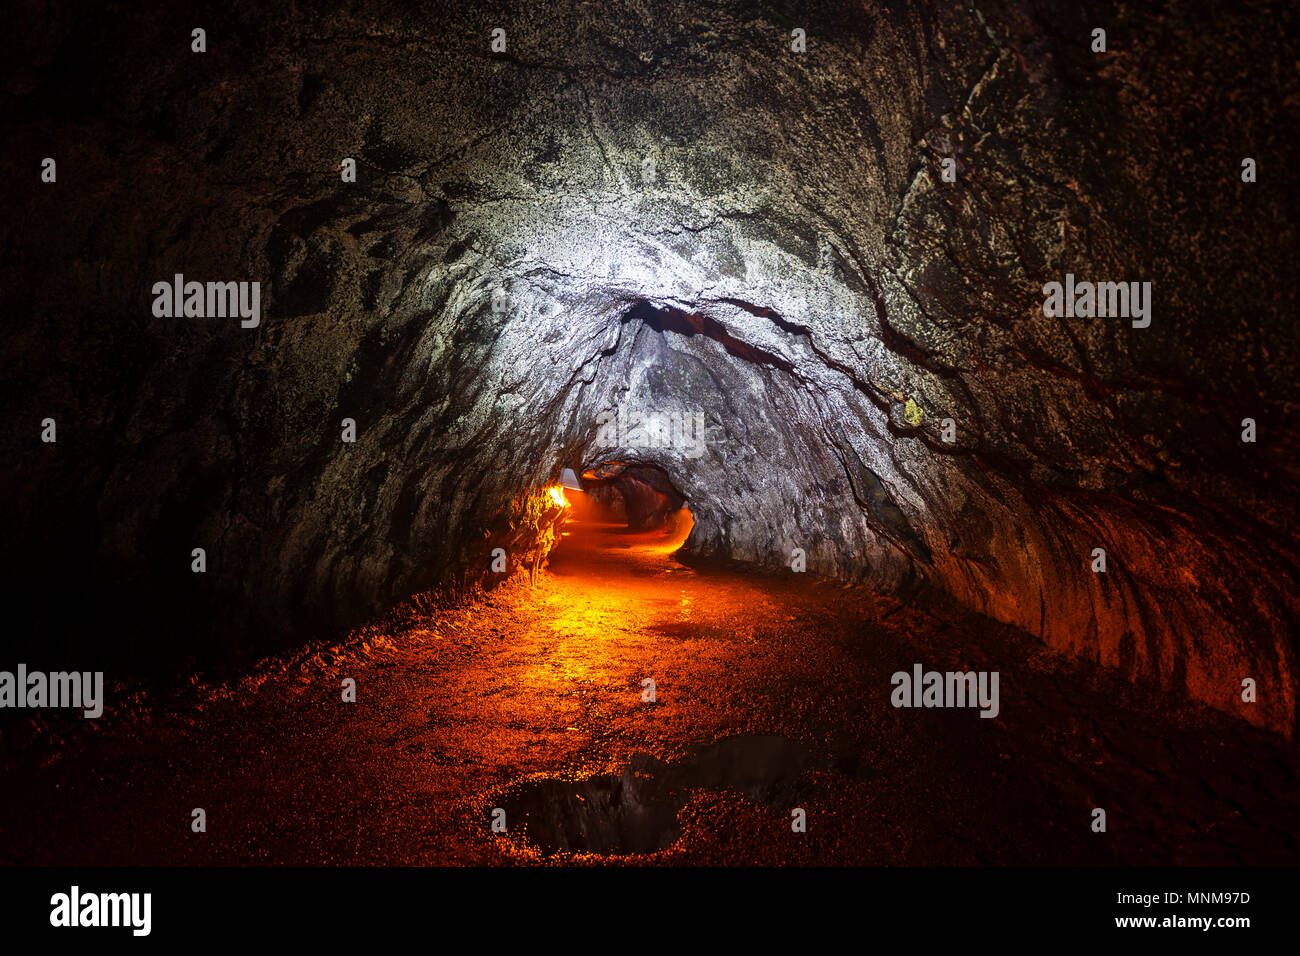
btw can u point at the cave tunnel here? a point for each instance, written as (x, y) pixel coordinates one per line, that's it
(640, 415)
(642, 496)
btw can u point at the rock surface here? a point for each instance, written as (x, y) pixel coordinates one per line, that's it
(659, 209)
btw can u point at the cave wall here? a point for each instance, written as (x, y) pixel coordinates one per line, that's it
(789, 267)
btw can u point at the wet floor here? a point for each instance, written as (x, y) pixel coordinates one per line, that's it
(771, 705)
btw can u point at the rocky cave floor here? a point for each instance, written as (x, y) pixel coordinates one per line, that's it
(782, 682)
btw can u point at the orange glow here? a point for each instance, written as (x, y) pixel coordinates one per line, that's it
(682, 521)
(582, 628)
(557, 495)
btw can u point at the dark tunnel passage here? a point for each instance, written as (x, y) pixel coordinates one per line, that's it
(785, 319)
(645, 494)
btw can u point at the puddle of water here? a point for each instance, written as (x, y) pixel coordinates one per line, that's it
(627, 813)
(636, 811)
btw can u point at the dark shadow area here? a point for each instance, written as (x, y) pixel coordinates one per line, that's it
(636, 811)
(689, 324)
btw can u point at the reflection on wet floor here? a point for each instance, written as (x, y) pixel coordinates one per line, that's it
(636, 811)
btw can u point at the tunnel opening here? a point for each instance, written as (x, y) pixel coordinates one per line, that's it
(629, 507)
(641, 495)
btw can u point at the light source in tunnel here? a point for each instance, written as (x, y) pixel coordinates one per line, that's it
(569, 479)
(557, 495)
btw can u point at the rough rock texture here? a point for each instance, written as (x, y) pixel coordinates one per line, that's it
(679, 217)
